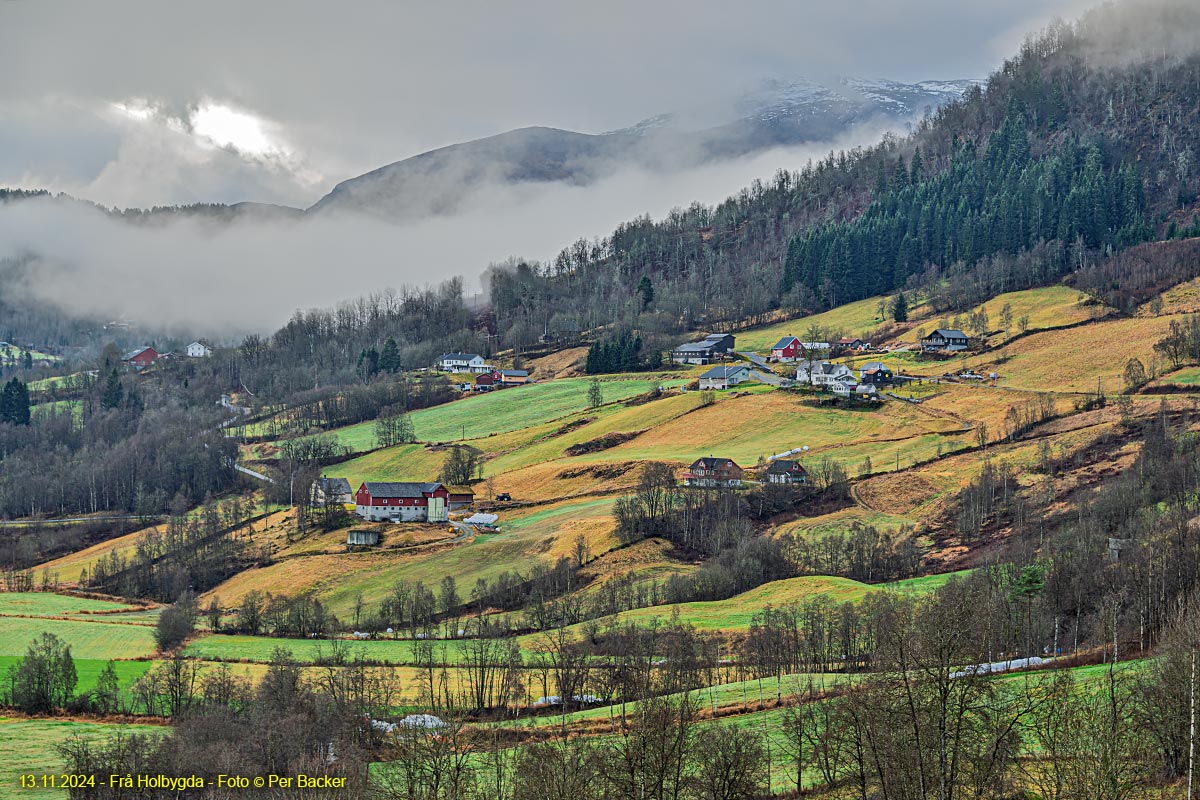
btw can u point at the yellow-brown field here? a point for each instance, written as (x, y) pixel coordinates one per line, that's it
(1075, 360)
(1045, 307)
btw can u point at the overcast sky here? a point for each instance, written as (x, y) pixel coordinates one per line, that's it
(144, 103)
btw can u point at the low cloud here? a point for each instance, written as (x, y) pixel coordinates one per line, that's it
(199, 277)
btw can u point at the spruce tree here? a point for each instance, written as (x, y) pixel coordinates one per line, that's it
(646, 290)
(114, 393)
(900, 308)
(389, 358)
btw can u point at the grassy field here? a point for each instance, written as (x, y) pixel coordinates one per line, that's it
(840, 522)
(491, 413)
(746, 427)
(735, 613)
(1066, 361)
(1045, 307)
(49, 604)
(528, 536)
(27, 747)
(852, 319)
(88, 639)
(68, 568)
(1188, 376)
(88, 671)
(226, 647)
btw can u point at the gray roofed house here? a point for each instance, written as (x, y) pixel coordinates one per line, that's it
(331, 490)
(710, 349)
(724, 376)
(946, 339)
(462, 362)
(787, 471)
(823, 373)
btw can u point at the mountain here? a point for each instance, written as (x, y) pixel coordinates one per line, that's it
(776, 113)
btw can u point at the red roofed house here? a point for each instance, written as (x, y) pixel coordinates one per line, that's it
(788, 349)
(402, 502)
(140, 359)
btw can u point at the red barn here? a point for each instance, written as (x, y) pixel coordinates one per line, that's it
(788, 349)
(140, 359)
(402, 502)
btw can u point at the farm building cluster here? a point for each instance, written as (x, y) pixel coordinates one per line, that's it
(711, 472)
(486, 376)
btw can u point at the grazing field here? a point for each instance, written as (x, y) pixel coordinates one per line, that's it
(1046, 307)
(1188, 376)
(68, 567)
(88, 671)
(735, 613)
(88, 639)
(1183, 298)
(56, 382)
(506, 410)
(404, 462)
(840, 522)
(48, 604)
(28, 747)
(852, 319)
(528, 536)
(1075, 360)
(227, 647)
(749, 426)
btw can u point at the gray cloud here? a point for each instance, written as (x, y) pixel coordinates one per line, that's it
(198, 277)
(356, 86)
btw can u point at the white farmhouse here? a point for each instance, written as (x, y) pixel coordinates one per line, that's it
(198, 349)
(463, 362)
(823, 373)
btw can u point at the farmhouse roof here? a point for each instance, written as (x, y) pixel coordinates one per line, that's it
(709, 462)
(782, 466)
(334, 485)
(724, 372)
(948, 333)
(515, 373)
(132, 354)
(785, 342)
(460, 357)
(871, 366)
(696, 346)
(845, 340)
(380, 489)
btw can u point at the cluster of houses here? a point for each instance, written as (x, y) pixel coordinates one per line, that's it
(842, 380)
(790, 349)
(147, 356)
(724, 473)
(486, 377)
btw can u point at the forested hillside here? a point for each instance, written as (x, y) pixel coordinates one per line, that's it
(1068, 154)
